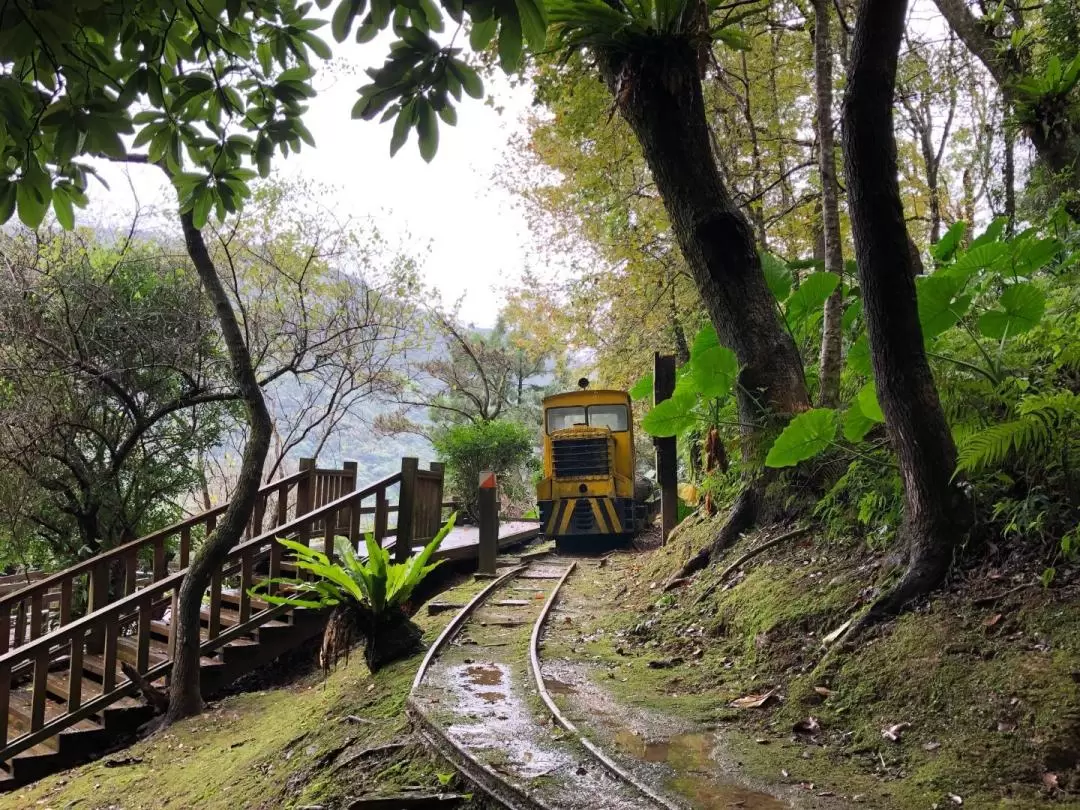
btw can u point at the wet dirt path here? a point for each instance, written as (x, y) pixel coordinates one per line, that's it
(478, 704)
(688, 763)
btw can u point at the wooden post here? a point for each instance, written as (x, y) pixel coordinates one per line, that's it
(440, 468)
(667, 472)
(406, 509)
(489, 525)
(353, 480)
(304, 487)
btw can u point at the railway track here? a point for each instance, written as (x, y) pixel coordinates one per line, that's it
(480, 699)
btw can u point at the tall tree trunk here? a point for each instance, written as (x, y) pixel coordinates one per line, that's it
(934, 519)
(831, 347)
(185, 698)
(658, 92)
(1009, 180)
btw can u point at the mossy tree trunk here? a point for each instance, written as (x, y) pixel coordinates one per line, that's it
(934, 515)
(658, 91)
(185, 697)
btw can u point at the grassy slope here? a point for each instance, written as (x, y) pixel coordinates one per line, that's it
(286, 747)
(994, 710)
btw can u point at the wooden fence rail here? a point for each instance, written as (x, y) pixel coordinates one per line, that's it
(326, 505)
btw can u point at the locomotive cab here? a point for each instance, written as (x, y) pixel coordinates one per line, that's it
(587, 489)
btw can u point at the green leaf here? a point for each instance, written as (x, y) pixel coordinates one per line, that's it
(468, 77)
(941, 305)
(1023, 307)
(856, 424)
(947, 245)
(777, 275)
(510, 42)
(62, 207)
(977, 258)
(642, 388)
(344, 15)
(858, 359)
(427, 129)
(32, 202)
(992, 233)
(811, 296)
(482, 33)
(868, 403)
(533, 22)
(670, 417)
(713, 367)
(804, 437)
(401, 129)
(8, 192)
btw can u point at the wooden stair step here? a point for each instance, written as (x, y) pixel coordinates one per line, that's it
(20, 705)
(57, 685)
(231, 618)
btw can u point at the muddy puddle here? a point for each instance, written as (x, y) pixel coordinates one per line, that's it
(691, 756)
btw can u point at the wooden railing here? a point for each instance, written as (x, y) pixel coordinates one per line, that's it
(54, 600)
(123, 627)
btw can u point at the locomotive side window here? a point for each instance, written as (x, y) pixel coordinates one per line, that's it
(561, 418)
(613, 417)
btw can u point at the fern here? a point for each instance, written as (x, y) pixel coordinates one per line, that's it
(1043, 423)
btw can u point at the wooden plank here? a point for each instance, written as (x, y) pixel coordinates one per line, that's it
(185, 546)
(146, 616)
(75, 674)
(247, 580)
(40, 694)
(406, 509)
(65, 601)
(5, 678)
(160, 567)
(35, 615)
(382, 515)
(108, 674)
(5, 628)
(282, 504)
(215, 604)
(131, 571)
(329, 532)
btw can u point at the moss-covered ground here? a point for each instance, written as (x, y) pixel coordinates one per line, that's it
(314, 742)
(980, 686)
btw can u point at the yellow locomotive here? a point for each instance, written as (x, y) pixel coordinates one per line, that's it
(588, 489)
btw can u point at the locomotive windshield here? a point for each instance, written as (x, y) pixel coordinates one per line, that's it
(613, 417)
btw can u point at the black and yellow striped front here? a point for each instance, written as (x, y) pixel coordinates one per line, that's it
(572, 517)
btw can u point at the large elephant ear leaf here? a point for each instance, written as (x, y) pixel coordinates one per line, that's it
(670, 417)
(1023, 306)
(811, 296)
(777, 275)
(805, 436)
(712, 366)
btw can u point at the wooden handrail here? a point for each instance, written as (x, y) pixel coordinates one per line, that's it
(101, 629)
(139, 606)
(134, 546)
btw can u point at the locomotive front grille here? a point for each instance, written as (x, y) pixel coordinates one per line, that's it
(576, 458)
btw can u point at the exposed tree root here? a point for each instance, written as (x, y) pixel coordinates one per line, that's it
(745, 558)
(155, 698)
(921, 578)
(744, 514)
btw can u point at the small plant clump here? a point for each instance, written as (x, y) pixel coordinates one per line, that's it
(368, 597)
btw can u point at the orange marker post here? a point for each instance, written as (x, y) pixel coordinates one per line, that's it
(489, 524)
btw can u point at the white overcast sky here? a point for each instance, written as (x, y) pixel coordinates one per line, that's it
(479, 240)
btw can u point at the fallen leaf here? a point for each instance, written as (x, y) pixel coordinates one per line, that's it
(1050, 780)
(990, 622)
(753, 701)
(809, 727)
(1006, 726)
(784, 773)
(824, 691)
(931, 746)
(954, 798)
(761, 741)
(835, 634)
(893, 732)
